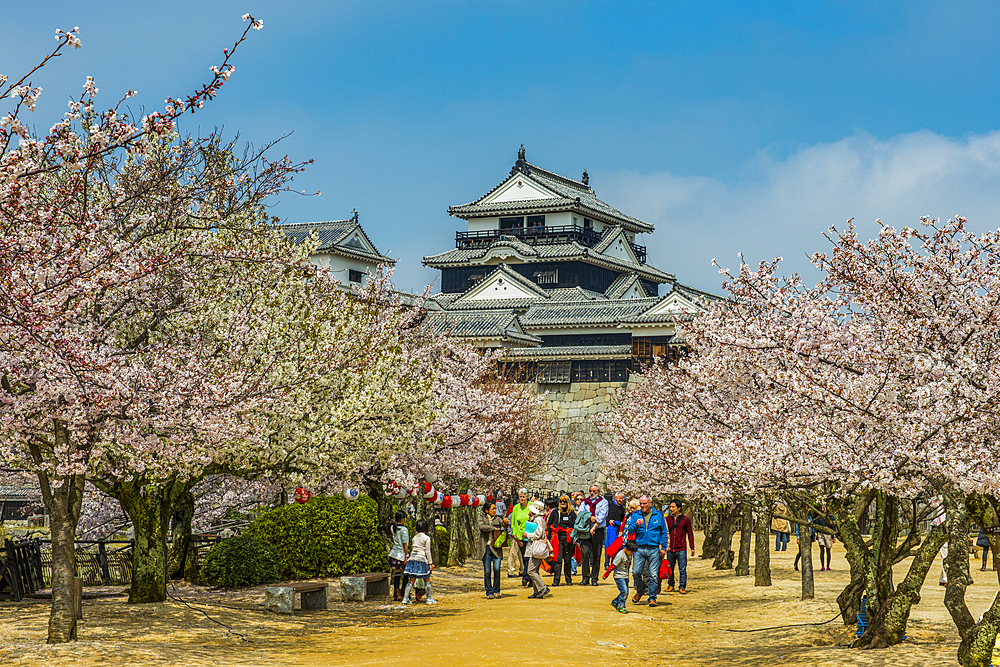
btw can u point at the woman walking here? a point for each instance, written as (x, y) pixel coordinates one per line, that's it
(538, 547)
(560, 522)
(489, 547)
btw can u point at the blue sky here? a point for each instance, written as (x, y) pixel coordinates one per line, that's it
(739, 127)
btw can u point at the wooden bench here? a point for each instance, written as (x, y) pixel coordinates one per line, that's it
(376, 584)
(281, 599)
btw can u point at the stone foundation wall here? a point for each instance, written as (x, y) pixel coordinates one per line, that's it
(577, 466)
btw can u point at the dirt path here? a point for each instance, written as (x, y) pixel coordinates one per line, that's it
(574, 625)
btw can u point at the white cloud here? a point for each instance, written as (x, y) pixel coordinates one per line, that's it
(780, 207)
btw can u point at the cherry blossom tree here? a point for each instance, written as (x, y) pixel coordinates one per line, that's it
(108, 359)
(876, 386)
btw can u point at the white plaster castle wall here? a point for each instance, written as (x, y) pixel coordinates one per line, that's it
(339, 266)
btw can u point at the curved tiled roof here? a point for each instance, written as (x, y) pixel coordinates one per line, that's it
(331, 234)
(622, 284)
(556, 251)
(499, 324)
(594, 313)
(588, 351)
(571, 194)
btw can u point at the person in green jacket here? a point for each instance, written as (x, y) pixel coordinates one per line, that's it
(518, 517)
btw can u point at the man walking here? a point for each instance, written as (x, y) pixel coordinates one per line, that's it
(681, 532)
(651, 537)
(598, 508)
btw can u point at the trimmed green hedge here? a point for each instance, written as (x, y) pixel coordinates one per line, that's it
(327, 536)
(239, 561)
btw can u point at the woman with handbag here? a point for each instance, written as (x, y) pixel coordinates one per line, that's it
(489, 547)
(538, 547)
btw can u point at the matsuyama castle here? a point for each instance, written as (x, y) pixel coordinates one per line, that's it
(559, 279)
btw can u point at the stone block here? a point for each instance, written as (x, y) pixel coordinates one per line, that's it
(280, 599)
(314, 599)
(352, 589)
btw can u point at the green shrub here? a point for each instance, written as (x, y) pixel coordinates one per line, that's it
(327, 536)
(444, 543)
(239, 561)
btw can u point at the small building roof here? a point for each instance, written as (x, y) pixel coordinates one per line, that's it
(345, 237)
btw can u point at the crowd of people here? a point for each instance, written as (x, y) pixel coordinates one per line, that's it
(569, 537)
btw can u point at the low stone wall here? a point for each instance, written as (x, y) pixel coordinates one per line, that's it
(577, 466)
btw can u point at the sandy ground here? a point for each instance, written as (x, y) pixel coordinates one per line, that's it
(574, 625)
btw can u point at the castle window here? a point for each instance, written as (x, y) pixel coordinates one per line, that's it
(512, 223)
(354, 276)
(547, 277)
(536, 221)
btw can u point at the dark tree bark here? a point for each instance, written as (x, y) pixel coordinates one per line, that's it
(454, 535)
(871, 563)
(724, 538)
(762, 545)
(183, 559)
(386, 505)
(746, 535)
(805, 552)
(713, 532)
(888, 625)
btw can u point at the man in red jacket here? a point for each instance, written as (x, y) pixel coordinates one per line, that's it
(681, 532)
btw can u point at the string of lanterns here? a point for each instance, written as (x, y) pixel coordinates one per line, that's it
(424, 487)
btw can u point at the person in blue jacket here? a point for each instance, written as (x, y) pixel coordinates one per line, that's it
(652, 536)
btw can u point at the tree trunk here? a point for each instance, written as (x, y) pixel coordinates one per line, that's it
(872, 565)
(64, 504)
(713, 532)
(762, 546)
(64, 501)
(183, 562)
(454, 535)
(724, 552)
(805, 552)
(977, 646)
(746, 530)
(150, 507)
(956, 564)
(888, 625)
(385, 504)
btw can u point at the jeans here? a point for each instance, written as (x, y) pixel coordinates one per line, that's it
(780, 540)
(491, 562)
(646, 561)
(622, 592)
(678, 565)
(525, 549)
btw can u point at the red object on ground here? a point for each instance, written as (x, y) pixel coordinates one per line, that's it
(302, 495)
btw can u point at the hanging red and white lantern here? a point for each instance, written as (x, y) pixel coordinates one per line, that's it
(302, 495)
